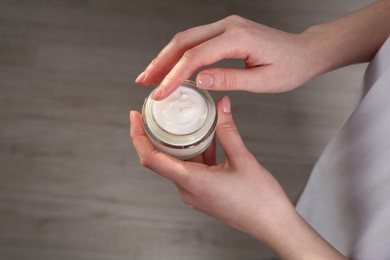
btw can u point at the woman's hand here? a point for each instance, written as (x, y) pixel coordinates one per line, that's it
(275, 61)
(237, 189)
(239, 192)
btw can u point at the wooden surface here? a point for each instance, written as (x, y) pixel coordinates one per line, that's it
(71, 186)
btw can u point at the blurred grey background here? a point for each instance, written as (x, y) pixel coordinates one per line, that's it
(71, 186)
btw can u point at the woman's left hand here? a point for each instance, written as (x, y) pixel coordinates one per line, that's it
(238, 192)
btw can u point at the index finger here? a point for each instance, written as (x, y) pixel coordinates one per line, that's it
(172, 53)
(164, 165)
(224, 46)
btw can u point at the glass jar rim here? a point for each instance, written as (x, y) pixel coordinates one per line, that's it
(181, 141)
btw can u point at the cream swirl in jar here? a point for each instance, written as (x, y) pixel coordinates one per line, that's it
(183, 124)
(183, 112)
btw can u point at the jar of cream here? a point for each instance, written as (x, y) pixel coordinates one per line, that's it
(183, 124)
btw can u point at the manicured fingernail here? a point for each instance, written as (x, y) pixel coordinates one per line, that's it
(225, 104)
(131, 115)
(140, 77)
(135, 127)
(157, 94)
(205, 80)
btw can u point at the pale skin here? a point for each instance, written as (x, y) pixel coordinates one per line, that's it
(240, 191)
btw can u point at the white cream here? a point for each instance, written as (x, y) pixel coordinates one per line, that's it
(181, 113)
(183, 124)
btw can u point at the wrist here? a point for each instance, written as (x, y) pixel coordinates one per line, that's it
(286, 233)
(348, 40)
(316, 48)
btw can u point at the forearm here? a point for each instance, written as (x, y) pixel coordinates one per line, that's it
(284, 231)
(351, 39)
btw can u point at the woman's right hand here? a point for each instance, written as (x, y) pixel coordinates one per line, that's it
(275, 61)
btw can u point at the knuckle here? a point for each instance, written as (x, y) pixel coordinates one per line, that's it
(186, 198)
(235, 19)
(169, 77)
(229, 79)
(191, 59)
(228, 126)
(190, 55)
(240, 32)
(144, 162)
(155, 61)
(240, 27)
(179, 39)
(132, 136)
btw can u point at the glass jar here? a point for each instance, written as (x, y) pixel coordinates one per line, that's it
(183, 124)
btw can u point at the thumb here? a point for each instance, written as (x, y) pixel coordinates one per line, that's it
(232, 79)
(227, 133)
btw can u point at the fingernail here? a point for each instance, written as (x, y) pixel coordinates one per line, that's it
(225, 104)
(140, 77)
(131, 115)
(205, 80)
(157, 94)
(135, 127)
